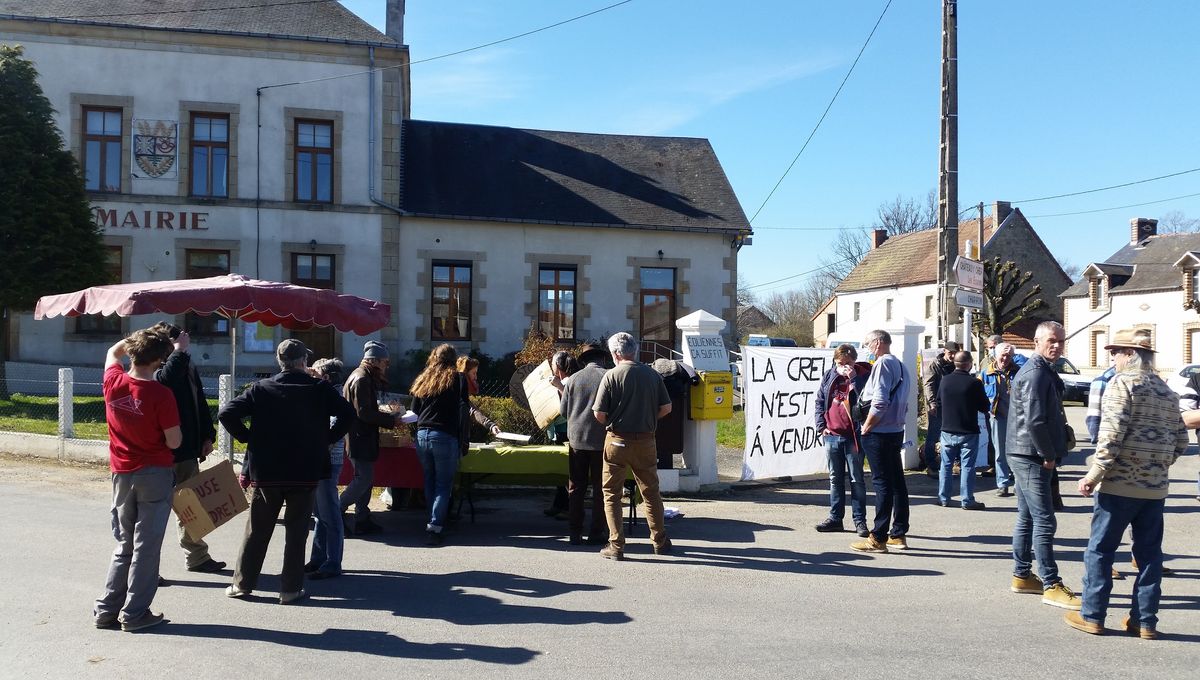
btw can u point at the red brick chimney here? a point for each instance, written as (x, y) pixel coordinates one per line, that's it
(878, 237)
(1142, 228)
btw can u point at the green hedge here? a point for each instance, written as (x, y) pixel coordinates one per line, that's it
(509, 416)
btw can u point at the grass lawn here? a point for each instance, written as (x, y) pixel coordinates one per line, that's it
(39, 415)
(732, 432)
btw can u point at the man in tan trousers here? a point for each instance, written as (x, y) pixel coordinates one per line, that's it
(631, 399)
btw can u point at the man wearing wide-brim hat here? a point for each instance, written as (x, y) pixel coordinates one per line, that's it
(1141, 436)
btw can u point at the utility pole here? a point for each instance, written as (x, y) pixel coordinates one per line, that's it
(948, 166)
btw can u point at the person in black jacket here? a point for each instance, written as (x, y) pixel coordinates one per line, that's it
(289, 436)
(440, 400)
(962, 400)
(196, 423)
(1036, 442)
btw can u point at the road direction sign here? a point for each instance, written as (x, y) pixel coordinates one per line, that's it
(968, 298)
(968, 273)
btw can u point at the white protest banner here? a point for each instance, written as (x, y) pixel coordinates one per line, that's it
(780, 400)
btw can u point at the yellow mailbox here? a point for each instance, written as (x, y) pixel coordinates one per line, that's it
(712, 397)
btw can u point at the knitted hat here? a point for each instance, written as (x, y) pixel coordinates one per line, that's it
(375, 350)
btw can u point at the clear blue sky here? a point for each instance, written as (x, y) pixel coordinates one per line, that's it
(1054, 97)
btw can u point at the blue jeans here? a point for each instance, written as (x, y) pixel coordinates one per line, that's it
(933, 432)
(1033, 534)
(887, 476)
(329, 536)
(961, 448)
(439, 453)
(843, 456)
(1110, 515)
(141, 506)
(998, 428)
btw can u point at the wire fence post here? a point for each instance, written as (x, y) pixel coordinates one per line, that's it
(66, 403)
(224, 395)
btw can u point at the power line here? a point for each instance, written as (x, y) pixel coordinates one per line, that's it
(811, 271)
(1118, 207)
(197, 10)
(825, 113)
(452, 54)
(1115, 186)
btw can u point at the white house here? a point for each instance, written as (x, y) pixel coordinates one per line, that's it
(198, 161)
(1149, 283)
(895, 285)
(274, 140)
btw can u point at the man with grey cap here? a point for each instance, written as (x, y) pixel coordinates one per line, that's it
(294, 417)
(362, 391)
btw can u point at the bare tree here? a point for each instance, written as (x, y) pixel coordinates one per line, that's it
(745, 296)
(1069, 268)
(1177, 222)
(905, 215)
(898, 216)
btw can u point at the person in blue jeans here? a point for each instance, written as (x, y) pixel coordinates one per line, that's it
(325, 559)
(1141, 435)
(441, 400)
(997, 383)
(1037, 440)
(837, 395)
(963, 401)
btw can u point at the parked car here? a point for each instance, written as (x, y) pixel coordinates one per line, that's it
(1178, 380)
(1075, 384)
(759, 340)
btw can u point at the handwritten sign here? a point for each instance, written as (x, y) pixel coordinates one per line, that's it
(706, 352)
(209, 500)
(781, 386)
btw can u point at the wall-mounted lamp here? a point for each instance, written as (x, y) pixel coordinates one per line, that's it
(660, 255)
(312, 245)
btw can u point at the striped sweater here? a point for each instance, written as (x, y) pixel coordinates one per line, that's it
(1141, 435)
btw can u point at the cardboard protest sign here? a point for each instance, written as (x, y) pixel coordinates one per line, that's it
(543, 397)
(781, 386)
(209, 500)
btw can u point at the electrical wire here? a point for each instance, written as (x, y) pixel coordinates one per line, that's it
(451, 54)
(1109, 187)
(1118, 207)
(825, 113)
(811, 271)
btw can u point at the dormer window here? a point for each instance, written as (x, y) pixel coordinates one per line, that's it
(1098, 292)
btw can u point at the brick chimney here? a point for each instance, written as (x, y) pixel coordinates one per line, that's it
(878, 236)
(395, 20)
(1000, 212)
(1142, 228)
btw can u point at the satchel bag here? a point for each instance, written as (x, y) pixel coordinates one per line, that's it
(862, 407)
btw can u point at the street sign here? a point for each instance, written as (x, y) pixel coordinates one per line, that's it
(968, 273)
(968, 298)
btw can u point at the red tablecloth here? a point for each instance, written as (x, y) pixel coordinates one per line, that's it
(396, 467)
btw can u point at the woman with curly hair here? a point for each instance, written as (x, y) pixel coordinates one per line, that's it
(440, 400)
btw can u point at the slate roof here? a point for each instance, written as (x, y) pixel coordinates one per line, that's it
(319, 19)
(481, 172)
(908, 259)
(1153, 265)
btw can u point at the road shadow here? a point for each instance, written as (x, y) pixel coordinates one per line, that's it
(778, 560)
(717, 530)
(454, 598)
(376, 643)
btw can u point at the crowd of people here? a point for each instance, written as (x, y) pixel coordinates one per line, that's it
(1138, 425)
(305, 419)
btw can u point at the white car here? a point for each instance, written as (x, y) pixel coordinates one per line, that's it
(1178, 380)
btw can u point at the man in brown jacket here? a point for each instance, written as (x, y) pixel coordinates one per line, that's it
(362, 390)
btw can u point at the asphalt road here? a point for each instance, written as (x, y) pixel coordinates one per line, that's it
(751, 591)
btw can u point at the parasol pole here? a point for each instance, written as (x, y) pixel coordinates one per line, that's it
(232, 348)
